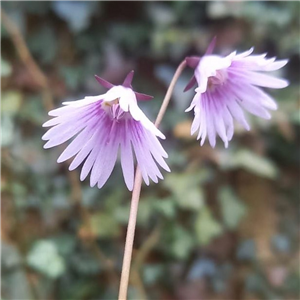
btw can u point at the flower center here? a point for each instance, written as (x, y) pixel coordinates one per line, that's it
(113, 109)
(219, 79)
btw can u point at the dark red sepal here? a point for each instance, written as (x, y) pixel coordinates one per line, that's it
(191, 83)
(104, 83)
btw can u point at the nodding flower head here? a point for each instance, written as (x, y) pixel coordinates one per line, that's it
(225, 86)
(101, 125)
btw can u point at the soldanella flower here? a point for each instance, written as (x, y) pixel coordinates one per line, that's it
(226, 86)
(101, 126)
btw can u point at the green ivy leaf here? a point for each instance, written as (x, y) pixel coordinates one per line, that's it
(295, 116)
(65, 243)
(166, 207)
(152, 273)
(186, 190)
(72, 76)
(43, 43)
(44, 257)
(251, 162)
(104, 225)
(233, 210)
(121, 213)
(182, 245)
(5, 68)
(33, 111)
(11, 102)
(178, 241)
(145, 211)
(206, 227)
(8, 130)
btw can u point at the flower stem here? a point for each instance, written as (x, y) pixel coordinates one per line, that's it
(168, 95)
(136, 195)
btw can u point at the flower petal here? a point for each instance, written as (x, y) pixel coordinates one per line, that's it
(86, 101)
(225, 84)
(77, 144)
(108, 160)
(260, 79)
(99, 130)
(127, 162)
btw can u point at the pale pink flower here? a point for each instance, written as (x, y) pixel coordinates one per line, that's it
(101, 126)
(225, 86)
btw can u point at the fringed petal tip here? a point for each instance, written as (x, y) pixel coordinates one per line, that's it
(46, 123)
(160, 135)
(213, 143)
(47, 145)
(189, 108)
(285, 83)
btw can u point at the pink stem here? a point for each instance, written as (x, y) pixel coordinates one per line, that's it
(136, 195)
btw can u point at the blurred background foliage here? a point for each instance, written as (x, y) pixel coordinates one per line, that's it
(223, 225)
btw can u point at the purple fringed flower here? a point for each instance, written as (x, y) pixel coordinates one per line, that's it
(103, 124)
(225, 84)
